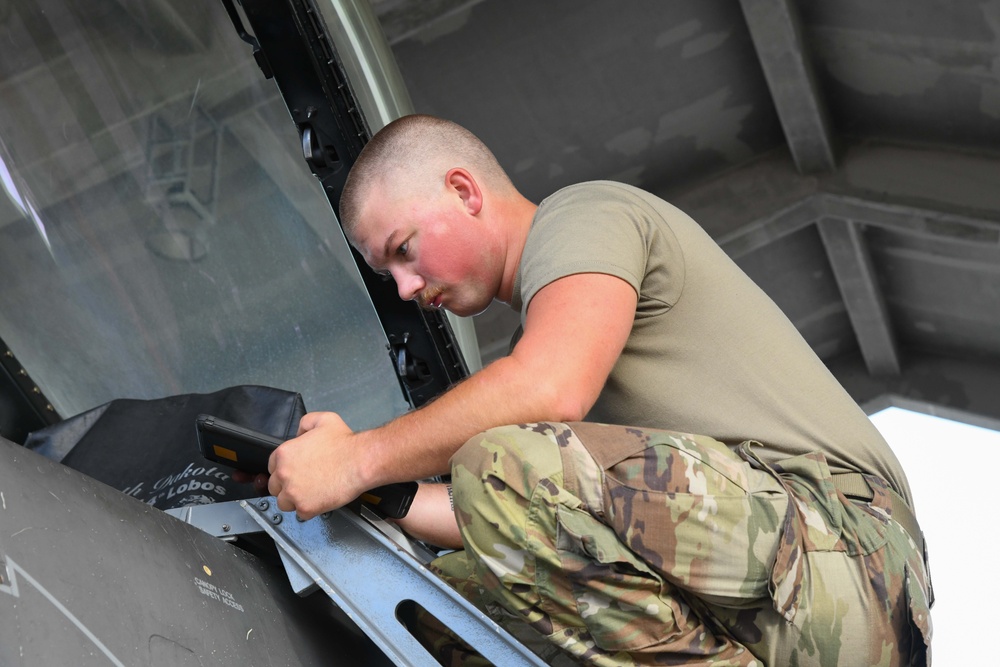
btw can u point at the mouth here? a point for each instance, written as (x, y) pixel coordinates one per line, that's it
(431, 300)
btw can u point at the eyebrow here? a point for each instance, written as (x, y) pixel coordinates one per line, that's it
(389, 242)
(374, 262)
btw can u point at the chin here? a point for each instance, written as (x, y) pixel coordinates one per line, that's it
(463, 311)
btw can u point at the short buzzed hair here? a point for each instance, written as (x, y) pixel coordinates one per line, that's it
(419, 148)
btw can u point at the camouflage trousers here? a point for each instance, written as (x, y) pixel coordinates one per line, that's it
(675, 549)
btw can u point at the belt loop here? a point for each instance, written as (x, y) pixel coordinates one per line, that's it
(569, 481)
(857, 485)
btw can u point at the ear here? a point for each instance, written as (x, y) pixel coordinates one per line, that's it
(461, 181)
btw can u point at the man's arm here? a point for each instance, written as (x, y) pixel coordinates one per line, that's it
(574, 331)
(432, 517)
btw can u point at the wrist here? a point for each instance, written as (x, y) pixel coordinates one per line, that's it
(369, 469)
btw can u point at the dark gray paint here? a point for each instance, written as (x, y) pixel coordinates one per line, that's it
(93, 577)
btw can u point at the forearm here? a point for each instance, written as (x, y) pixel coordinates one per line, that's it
(327, 465)
(432, 517)
(419, 444)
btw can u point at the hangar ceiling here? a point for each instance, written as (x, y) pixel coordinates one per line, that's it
(846, 154)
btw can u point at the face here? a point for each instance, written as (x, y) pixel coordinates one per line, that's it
(438, 254)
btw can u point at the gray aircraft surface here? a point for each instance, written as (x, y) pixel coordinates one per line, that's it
(169, 245)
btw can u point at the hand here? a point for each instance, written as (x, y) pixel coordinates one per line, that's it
(318, 470)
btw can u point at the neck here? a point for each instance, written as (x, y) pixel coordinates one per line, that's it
(518, 213)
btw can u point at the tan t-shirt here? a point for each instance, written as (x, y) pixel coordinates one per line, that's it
(709, 352)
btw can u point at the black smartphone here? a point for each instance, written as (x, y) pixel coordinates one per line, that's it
(248, 450)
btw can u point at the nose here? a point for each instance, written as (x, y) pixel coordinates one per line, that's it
(409, 284)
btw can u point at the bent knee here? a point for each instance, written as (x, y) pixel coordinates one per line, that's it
(496, 474)
(515, 453)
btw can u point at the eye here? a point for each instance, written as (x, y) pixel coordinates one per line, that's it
(403, 248)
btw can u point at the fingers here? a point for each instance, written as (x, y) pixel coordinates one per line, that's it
(308, 474)
(288, 482)
(276, 488)
(287, 501)
(312, 420)
(284, 498)
(307, 423)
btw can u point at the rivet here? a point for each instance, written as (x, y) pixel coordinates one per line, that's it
(226, 528)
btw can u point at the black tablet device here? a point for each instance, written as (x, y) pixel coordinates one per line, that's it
(248, 450)
(233, 445)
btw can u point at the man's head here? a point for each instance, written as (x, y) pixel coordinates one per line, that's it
(415, 206)
(416, 152)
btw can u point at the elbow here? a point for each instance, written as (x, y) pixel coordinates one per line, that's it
(573, 409)
(561, 403)
(548, 396)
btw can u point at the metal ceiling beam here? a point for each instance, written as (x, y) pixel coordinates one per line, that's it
(900, 218)
(855, 275)
(908, 219)
(849, 255)
(776, 32)
(764, 231)
(849, 259)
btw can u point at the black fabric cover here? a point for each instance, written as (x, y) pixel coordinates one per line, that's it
(149, 449)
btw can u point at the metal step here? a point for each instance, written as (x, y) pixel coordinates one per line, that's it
(367, 573)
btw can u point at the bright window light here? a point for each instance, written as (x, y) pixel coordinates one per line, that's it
(952, 470)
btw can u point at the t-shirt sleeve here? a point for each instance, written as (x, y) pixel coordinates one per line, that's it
(576, 233)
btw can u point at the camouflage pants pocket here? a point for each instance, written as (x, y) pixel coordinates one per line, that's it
(628, 607)
(918, 606)
(623, 603)
(852, 610)
(848, 583)
(690, 507)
